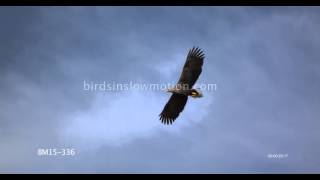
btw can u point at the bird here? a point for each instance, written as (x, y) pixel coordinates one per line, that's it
(183, 88)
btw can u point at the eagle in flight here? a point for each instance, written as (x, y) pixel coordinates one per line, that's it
(180, 92)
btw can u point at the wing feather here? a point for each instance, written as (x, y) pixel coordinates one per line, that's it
(173, 108)
(192, 67)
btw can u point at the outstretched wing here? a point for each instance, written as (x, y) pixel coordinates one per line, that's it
(173, 108)
(192, 68)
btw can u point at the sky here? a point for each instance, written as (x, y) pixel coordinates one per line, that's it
(265, 62)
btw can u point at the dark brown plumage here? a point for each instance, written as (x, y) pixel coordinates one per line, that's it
(190, 73)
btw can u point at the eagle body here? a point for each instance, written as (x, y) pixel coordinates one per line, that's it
(190, 73)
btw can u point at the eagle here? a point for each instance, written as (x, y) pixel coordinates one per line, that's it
(183, 88)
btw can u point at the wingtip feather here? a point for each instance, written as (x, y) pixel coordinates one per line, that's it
(196, 52)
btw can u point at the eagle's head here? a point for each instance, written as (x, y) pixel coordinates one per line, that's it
(196, 93)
